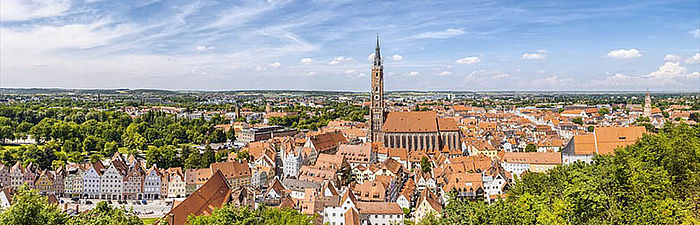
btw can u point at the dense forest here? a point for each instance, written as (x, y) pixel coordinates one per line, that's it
(77, 135)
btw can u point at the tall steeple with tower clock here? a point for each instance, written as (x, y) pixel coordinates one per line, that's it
(377, 112)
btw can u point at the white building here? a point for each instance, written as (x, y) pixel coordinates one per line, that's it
(152, 183)
(112, 182)
(292, 160)
(16, 175)
(176, 185)
(92, 180)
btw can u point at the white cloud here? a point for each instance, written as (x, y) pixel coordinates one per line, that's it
(672, 58)
(552, 81)
(33, 40)
(397, 57)
(350, 71)
(413, 74)
(339, 59)
(451, 32)
(311, 74)
(268, 66)
(695, 33)
(482, 75)
(625, 53)
(541, 51)
(445, 73)
(203, 48)
(306, 60)
(534, 56)
(670, 74)
(669, 70)
(18, 10)
(500, 75)
(695, 59)
(361, 75)
(468, 60)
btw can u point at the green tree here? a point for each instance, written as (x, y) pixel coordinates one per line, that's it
(590, 128)
(193, 161)
(530, 147)
(231, 215)
(243, 155)
(577, 120)
(208, 157)
(30, 208)
(603, 111)
(103, 214)
(425, 164)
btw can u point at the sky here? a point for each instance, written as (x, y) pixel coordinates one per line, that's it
(326, 44)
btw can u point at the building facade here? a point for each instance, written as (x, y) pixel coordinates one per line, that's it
(377, 110)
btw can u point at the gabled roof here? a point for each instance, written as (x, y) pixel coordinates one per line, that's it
(605, 140)
(277, 187)
(328, 140)
(212, 195)
(378, 208)
(231, 169)
(431, 199)
(287, 202)
(348, 195)
(351, 217)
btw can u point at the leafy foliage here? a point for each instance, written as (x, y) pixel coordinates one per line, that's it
(312, 118)
(530, 147)
(425, 164)
(103, 214)
(231, 215)
(30, 208)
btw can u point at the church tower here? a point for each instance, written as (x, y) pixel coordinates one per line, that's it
(377, 111)
(647, 105)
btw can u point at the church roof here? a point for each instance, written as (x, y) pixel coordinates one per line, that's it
(418, 121)
(411, 122)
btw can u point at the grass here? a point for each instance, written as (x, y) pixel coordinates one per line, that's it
(148, 221)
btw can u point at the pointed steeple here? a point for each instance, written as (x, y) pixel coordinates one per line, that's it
(377, 54)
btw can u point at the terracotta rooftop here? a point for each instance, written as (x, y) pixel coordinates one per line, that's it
(548, 158)
(417, 121)
(212, 195)
(381, 208)
(606, 139)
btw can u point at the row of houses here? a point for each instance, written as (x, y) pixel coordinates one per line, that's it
(119, 178)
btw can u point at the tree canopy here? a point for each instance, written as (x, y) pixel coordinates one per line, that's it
(231, 215)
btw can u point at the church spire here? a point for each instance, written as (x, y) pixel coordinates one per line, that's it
(377, 55)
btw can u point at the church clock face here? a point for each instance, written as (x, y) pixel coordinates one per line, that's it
(376, 97)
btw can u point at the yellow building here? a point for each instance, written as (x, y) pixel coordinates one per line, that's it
(45, 182)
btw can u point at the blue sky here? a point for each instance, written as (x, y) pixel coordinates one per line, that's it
(325, 45)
